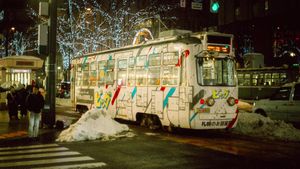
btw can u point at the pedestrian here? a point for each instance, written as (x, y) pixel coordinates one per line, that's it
(12, 104)
(34, 103)
(22, 94)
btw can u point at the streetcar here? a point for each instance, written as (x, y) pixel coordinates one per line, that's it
(182, 79)
(263, 82)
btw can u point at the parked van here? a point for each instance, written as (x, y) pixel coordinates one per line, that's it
(63, 90)
(283, 105)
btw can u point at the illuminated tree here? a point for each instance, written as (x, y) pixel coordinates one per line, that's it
(85, 26)
(90, 26)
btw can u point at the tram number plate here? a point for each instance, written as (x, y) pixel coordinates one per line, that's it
(214, 123)
(202, 110)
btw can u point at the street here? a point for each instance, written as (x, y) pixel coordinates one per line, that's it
(154, 149)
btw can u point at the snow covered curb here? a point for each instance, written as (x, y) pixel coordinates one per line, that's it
(256, 125)
(94, 124)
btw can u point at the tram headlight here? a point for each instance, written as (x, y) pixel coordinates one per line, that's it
(232, 101)
(210, 101)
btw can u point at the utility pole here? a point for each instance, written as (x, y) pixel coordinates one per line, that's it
(51, 62)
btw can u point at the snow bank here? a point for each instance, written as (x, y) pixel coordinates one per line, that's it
(256, 125)
(94, 124)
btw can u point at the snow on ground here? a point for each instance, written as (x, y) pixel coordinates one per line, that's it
(94, 124)
(256, 125)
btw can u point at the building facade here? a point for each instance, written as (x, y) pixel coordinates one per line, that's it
(269, 27)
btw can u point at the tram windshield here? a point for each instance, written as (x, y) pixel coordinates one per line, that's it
(216, 71)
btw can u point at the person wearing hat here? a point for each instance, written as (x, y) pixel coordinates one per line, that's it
(34, 103)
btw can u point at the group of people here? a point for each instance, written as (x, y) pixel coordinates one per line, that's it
(30, 99)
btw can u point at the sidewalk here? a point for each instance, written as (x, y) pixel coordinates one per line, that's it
(17, 129)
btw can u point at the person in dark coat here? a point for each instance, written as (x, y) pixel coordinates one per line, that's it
(12, 104)
(34, 103)
(22, 94)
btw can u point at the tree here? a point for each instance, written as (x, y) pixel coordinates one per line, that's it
(85, 26)
(89, 26)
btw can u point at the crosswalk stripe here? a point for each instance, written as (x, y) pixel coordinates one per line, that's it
(87, 165)
(26, 156)
(28, 147)
(45, 154)
(45, 161)
(33, 150)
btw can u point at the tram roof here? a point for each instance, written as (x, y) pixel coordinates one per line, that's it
(183, 38)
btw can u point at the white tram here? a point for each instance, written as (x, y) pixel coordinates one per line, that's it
(183, 79)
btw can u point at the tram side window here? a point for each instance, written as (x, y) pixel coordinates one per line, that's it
(78, 75)
(170, 75)
(131, 62)
(154, 60)
(140, 61)
(154, 69)
(131, 77)
(283, 78)
(122, 72)
(154, 76)
(85, 68)
(275, 79)
(131, 72)
(93, 73)
(141, 76)
(102, 71)
(170, 58)
(240, 78)
(268, 79)
(255, 79)
(244, 79)
(110, 76)
(261, 79)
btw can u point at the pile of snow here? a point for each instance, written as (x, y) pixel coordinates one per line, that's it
(94, 124)
(256, 125)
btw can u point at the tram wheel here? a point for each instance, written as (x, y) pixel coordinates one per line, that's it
(150, 121)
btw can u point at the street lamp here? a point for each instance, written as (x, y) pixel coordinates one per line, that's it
(12, 29)
(58, 72)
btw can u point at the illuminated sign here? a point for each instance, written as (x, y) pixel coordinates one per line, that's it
(20, 71)
(218, 48)
(24, 63)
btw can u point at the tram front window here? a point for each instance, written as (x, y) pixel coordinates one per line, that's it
(215, 72)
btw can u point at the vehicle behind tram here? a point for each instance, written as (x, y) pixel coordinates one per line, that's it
(182, 79)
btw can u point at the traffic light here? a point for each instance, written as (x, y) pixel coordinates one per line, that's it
(214, 6)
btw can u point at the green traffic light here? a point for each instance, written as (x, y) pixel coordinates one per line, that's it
(215, 7)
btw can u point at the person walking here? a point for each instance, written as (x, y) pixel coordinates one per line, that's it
(34, 103)
(12, 104)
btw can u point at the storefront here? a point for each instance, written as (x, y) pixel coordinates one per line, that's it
(18, 70)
